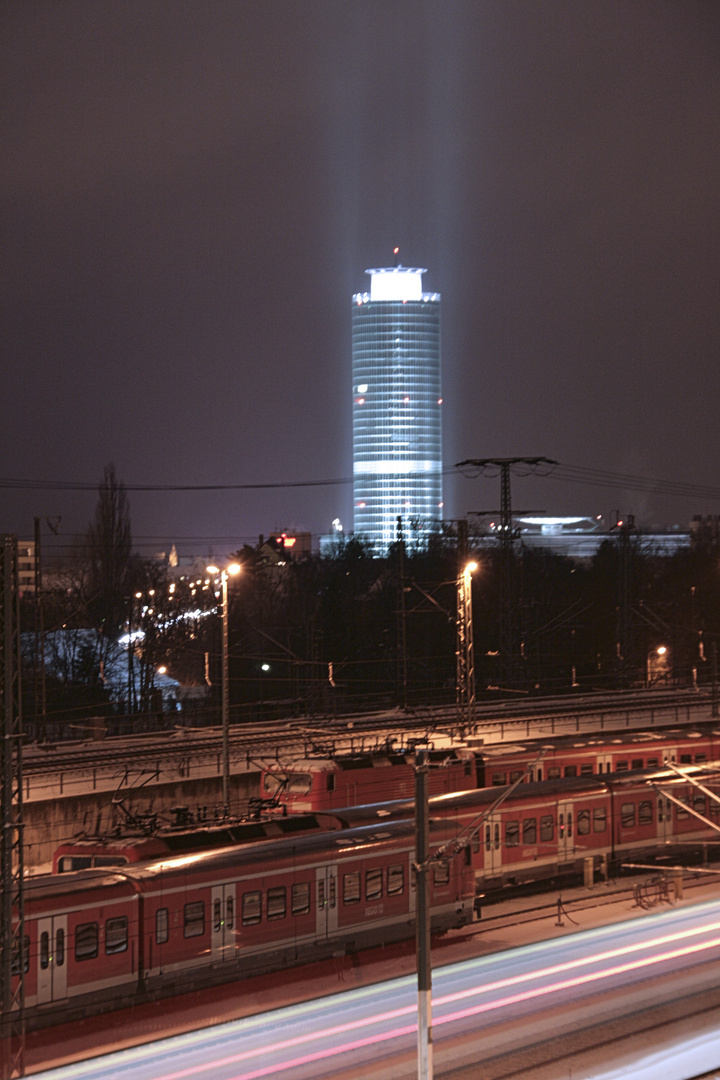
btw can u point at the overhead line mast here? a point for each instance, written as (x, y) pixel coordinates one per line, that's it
(12, 960)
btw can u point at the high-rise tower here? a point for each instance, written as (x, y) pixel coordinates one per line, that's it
(397, 434)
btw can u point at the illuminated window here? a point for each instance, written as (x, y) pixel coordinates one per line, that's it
(373, 884)
(116, 935)
(276, 902)
(300, 902)
(251, 908)
(351, 888)
(194, 919)
(396, 879)
(86, 941)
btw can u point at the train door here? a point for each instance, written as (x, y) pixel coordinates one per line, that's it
(664, 819)
(326, 891)
(603, 763)
(223, 915)
(52, 959)
(493, 844)
(565, 831)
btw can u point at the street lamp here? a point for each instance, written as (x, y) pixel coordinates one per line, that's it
(232, 570)
(465, 682)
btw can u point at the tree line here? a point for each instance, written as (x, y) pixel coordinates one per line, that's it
(346, 631)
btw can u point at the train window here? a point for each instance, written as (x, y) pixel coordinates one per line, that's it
(627, 815)
(475, 842)
(700, 759)
(645, 812)
(277, 902)
(621, 766)
(86, 941)
(599, 819)
(653, 762)
(333, 895)
(499, 779)
(59, 947)
(321, 894)
(441, 873)
(15, 958)
(681, 814)
(661, 810)
(516, 774)
(686, 759)
(488, 838)
(570, 770)
(161, 926)
(569, 824)
(512, 833)
(554, 772)
(586, 770)
(300, 903)
(547, 829)
(116, 935)
(496, 842)
(194, 919)
(271, 784)
(75, 862)
(251, 908)
(217, 914)
(330, 781)
(699, 804)
(299, 784)
(110, 860)
(373, 884)
(637, 763)
(351, 888)
(714, 808)
(230, 913)
(583, 822)
(44, 950)
(529, 830)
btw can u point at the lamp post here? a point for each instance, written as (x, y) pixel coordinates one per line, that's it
(232, 570)
(465, 651)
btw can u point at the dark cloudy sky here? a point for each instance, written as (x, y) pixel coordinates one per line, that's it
(191, 192)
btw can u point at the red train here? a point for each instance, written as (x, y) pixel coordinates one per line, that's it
(97, 940)
(131, 848)
(547, 830)
(324, 783)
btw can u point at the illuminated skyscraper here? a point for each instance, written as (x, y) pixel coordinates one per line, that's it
(397, 434)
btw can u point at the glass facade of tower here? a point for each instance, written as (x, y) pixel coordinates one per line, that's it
(397, 401)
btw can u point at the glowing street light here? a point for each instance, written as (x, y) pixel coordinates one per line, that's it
(232, 570)
(465, 682)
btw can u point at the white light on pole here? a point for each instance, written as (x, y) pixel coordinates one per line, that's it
(465, 648)
(232, 570)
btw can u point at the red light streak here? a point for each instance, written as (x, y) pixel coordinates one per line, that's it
(578, 980)
(474, 1010)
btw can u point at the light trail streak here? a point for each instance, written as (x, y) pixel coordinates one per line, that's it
(474, 1010)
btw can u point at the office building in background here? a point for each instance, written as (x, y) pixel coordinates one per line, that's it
(397, 401)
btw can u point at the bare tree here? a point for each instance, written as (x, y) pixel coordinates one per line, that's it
(109, 556)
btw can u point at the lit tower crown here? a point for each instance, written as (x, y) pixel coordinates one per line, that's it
(397, 434)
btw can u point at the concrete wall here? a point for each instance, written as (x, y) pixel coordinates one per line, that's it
(51, 822)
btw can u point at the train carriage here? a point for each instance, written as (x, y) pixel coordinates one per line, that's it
(324, 783)
(98, 940)
(330, 784)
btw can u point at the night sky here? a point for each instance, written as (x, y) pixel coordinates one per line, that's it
(192, 191)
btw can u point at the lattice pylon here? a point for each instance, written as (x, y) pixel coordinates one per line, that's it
(12, 958)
